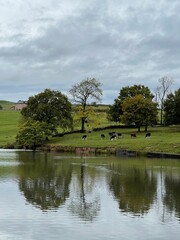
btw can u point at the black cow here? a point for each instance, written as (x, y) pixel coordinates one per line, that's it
(119, 135)
(113, 137)
(84, 137)
(148, 135)
(133, 135)
(103, 136)
(111, 133)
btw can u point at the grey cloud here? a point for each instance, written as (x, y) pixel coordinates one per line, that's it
(118, 42)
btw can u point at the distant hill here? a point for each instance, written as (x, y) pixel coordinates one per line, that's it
(6, 104)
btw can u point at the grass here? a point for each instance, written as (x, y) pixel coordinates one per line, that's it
(8, 126)
(163, 139)
(6, 104)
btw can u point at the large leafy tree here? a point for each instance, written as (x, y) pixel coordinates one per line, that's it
(115, 111)
(172, 109)
(139, 111)
(51, 107)
(132, 91)
(32, 134)
(83, 92)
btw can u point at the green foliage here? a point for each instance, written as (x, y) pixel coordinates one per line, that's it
(139, 111)
(172, 108)
(1, 107)
(89, 114)
(132, 91)
(51, 107)
(115, 111)
(32, 134)
(83, 92)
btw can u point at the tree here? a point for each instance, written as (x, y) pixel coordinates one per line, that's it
(115, 111)
(51, 107)
(162, 91)
(132, 91)
(84, 91)
(139, 111)
(172, 109)
(1, 107)
(32, 134)
(92, 119)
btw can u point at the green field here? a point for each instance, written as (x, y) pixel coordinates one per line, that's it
(8, 126)
(163, 139)
(6, 105)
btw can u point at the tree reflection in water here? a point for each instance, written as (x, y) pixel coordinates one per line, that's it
(135, 190)
(44, 184)
(172, 194)
(85, 203)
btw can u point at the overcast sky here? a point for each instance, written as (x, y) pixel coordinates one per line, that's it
(57, 43)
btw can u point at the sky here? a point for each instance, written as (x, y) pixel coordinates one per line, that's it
(58, 43)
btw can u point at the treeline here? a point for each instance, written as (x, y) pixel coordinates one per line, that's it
(135, 106)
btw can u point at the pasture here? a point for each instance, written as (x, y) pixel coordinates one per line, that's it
(163, 139)
(6, 105)
(8, 126)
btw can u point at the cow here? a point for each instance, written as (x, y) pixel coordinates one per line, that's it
(113, 137)
(133, 135)
(111, 133)
(119, 135)
(84, 137)
(103, 136)
(148, 135)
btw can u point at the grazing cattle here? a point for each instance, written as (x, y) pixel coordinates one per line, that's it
(148, 135)
(119, 135)
(133, 135)
(102, 136)
(84, 137)
(113, 137)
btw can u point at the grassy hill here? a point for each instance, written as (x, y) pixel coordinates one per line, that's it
(6, 105)
(8, 126)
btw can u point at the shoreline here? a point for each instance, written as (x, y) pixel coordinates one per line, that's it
(109, 150)
(98, 150)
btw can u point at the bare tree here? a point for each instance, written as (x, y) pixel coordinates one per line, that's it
(161, 92)
(82, 92)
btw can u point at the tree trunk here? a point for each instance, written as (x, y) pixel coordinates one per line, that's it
(161, 117)
(145, 128)
(82, 124)
(139, 128)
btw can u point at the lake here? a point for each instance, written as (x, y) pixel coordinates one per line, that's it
(65, 196)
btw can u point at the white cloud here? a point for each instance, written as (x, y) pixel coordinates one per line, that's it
(57, 43)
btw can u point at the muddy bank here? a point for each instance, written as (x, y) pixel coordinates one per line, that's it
(108, 150)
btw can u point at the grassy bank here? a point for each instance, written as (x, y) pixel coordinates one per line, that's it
(163, 139)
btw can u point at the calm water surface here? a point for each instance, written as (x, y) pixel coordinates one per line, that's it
(47, 196)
